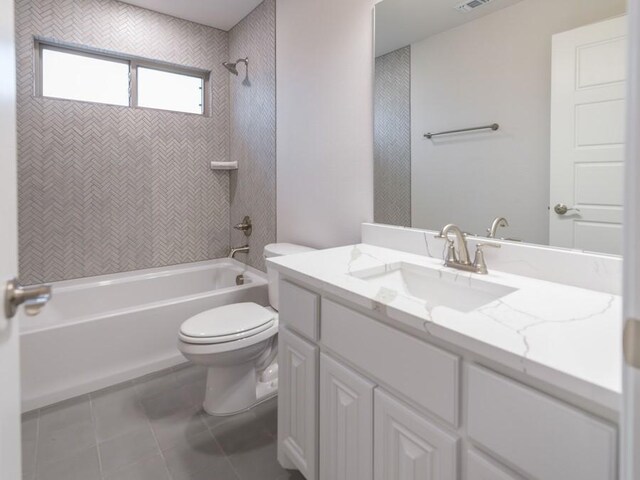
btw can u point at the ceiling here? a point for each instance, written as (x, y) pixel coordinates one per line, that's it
(402, 22)
(222, 14)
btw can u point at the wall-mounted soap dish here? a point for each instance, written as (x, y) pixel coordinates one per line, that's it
(224, 165)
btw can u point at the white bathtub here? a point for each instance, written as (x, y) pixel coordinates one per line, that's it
(99, 331)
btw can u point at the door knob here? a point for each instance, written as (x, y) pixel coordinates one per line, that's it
(33, 298)
(631, 342)
(562, 209)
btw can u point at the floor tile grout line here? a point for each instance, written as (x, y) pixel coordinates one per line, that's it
(226, 455)
(35, 453)
(140, 459)
(164, 460)
(137, 398)
(95, 435)
(155, 437)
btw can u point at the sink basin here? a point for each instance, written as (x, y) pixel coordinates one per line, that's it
(435, 287)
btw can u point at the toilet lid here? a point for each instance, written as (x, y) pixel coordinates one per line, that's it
(228, 320)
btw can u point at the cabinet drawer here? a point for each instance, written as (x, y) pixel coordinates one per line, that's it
(481, 468)
(422, 372)
(536, 434)
(299, 309)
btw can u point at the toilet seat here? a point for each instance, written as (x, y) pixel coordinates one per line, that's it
(228, 323)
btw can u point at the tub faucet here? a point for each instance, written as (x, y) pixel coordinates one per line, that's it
(243, 249)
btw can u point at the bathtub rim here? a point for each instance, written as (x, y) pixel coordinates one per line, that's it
(258, 278)
(148, 273)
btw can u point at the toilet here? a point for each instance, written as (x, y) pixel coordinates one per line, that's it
(238, 344)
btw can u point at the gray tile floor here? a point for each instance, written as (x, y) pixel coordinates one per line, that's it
(152, 428)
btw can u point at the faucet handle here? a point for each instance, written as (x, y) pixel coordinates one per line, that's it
(479, 262)
(245, 226)
(479, 246)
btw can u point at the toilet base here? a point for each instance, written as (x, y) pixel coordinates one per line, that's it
(233, 390)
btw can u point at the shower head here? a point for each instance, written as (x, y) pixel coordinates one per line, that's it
(232, 67)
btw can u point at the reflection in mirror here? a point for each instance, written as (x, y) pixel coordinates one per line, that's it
(548, 79)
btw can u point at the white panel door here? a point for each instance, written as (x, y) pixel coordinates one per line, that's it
(409, 447)
(9, 366)
(630, 421)
(588, 89)
(297, 404)
(346, 423)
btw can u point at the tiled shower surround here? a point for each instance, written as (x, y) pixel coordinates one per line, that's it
(106, 189)
(253, 132)
(392, 139)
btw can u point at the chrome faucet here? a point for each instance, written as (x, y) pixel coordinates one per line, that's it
(459, 259)
(243, 249)
(497, 222)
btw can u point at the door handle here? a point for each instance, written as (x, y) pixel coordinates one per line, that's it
(562, 209)
(33, 298)
(631, 342)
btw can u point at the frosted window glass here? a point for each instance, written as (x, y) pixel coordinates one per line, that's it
(169, 91)
(80, 77)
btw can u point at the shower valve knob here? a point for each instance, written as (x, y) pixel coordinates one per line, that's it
(245, 226)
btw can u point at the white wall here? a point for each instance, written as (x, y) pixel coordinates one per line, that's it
(324, 71)
(494, 69)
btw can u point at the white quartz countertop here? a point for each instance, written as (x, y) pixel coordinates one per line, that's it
(568, 337)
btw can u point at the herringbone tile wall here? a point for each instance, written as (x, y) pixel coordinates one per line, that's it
(107, 189)
(392, 138)
(253, 129)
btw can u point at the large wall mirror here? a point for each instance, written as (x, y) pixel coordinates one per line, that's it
(505, 117)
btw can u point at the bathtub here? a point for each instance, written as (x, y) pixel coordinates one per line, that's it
(100, 331)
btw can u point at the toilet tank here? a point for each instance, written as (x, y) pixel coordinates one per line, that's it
(279, 250)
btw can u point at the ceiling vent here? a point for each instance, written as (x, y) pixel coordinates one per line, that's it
(471, 5)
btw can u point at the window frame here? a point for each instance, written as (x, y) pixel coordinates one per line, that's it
(132, 61)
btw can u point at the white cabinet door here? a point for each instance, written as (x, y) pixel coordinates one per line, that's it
(409, 447)
(297, 404)
(480, 467)
(346, 423)
(588, 89)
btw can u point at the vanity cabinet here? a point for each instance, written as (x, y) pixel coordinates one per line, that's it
(536, 434)
(480, 467)
(409, 447)
(426, 374)
(299, 310)
(346, 429)
(297, 403)
(361, 400)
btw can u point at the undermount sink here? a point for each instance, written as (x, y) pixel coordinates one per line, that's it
(433, 286)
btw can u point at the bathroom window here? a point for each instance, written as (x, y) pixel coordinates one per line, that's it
(85, 77)
(74, 74)
(186, 91)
